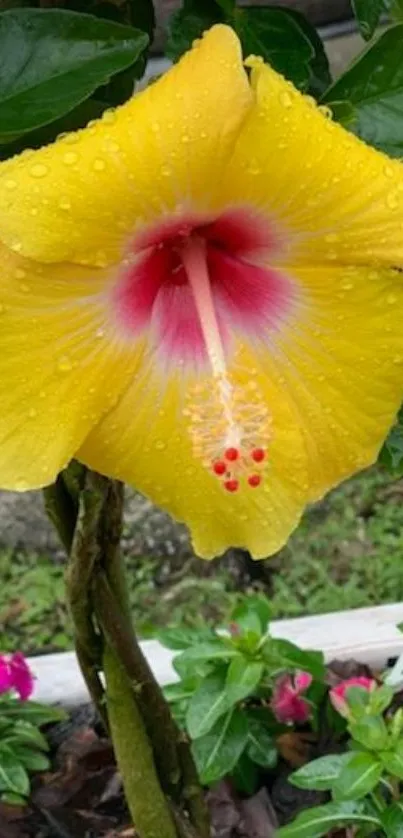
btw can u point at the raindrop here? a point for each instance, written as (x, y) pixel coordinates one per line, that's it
(392, 200)
(39, 170)
(286, 100)
(64, 204)
(70, 158)
(99, 165)
(64, 364)
(160, 445)
(185, 138)
(32, 413)
(11, 184)
(388, 171)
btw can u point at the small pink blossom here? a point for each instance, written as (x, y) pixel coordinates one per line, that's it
(287, 703)
(6, 682)
(338, 694)
(16, 675)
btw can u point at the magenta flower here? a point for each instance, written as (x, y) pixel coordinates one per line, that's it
(16, 675)
(337, 694)
(287, 702)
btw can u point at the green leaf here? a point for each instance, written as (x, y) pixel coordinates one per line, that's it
(214, 650)
(182, 638)
(218, 752)
(245, 775)
(252, 614)
(181, 690)
(142, 16)
(312, 823)
(370, 731)
(31, 711)
(396, 9)
(321, 773)
(358, 777)
(261, 747)
(278, 38)
(380, 698)
(392, 820)
(26, 734)
(320, 78)
(288, 655)
(189, 23)
(243, 678)
(209, 702)
(391, 455)
(373, 85)
(52, 60)
(30, 759)
(13, 776)
(393, 760)
(12, 799)
(368, 13)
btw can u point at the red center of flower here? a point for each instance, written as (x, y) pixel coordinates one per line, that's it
(195, 285)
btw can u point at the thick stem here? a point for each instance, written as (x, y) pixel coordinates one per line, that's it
(148, 806)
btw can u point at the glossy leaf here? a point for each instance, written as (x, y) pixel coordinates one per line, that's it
(182, 638)
(370, 731)
(13, 776)
(393, 760)
(213, 650)
(368, 13)
(189, 23)
(373, 87)
(321, 773)
(218, 752)
(31, 711)
(252, 614)
(52, 60)
(392, 820)
(288, 655)
(26, 734)
(209, 702)
(243, 678)
(261, 747)
(358, 777)
(313, 823)
(30, 759)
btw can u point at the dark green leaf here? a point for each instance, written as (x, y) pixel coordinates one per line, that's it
(370, 731)
(26, 734)
(392, 820)
(13, 776)
(243, 678)
(245, 775)
(373, 85)
(368, 13)
(313, 823)
(261, 747)
(288, 655)
(321, 773)
(391, 455)
(182, 638)
(393, 761)
(358, 777)
(345, 113)
(252, 614)
(189, 23)
(217, 753)
(181, 691)
(31, 711)
(142, 16)
(52, 60)
(207, 704)
(213, 650)
(279, 39)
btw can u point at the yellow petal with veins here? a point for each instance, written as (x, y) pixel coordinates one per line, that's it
(61, 367)
(333, 197)
(83, 197)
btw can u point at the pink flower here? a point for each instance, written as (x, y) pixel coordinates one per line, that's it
(16, 675)
(338, 694)
(5, 675)
(287, 703)
(22, 678)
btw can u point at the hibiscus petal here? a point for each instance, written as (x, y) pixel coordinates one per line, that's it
(145, 441)
(332, 196)
(61, 366)
(341, 362)
(83, 197)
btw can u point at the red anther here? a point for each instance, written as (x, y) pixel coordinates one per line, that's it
(219, 467)
(258, 454)
(231, 485)
(231, 454)
(254, 480)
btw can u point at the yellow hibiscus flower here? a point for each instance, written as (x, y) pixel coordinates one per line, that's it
(200, 295)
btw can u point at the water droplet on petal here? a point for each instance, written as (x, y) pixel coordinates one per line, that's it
(392, 200)
(11, 184)
(64, 364)
(286, 100)
(39, 170)
(32, 413)
(70, 158)
(64, 204)
(388, 171)
(99, 165)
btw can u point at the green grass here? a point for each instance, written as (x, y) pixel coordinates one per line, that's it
(347, 553)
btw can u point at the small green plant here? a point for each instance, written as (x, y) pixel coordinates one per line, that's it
(236, 694)
(364, 782)
(23, 748)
